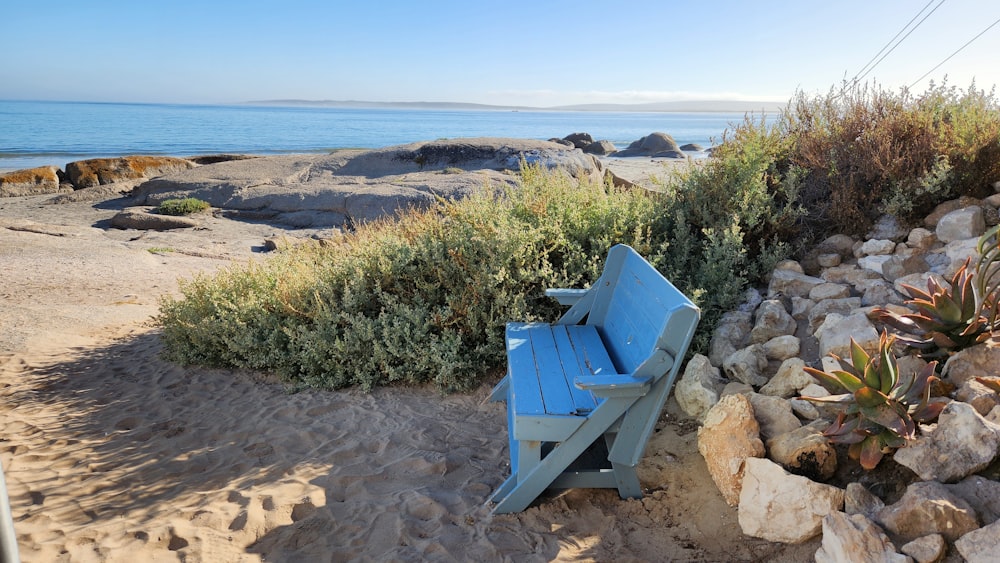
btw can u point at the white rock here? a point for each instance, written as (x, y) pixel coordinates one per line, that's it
(855, 539)
(790, 283)
(836, 332)
(918, 281)
(928, 508)
(876, 247)
(696, 392)
(980, 546)
(982, 360)
(859, 500)
(961, 224)
(829, 291)
(928, 549)
(874, 263)
(778, 506)
(804, 409)
(789, 380)
(921, 238)
(774, 415)
(781, 348)
(962, 443)
(772, 320)
(747, 365)
(729, 436)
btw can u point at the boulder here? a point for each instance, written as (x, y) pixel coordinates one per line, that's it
(876, 247)
(654, 144)
(844, 306)
(859, 500)
(982, 494)
(791, 284)
(782, 348)
(729, 436)
(928, 549)
(804, 451)
(836, 332)
(731, 334)
(981, 397)
(579, 140)
(976, 361)
(692, 147)
(778, 506)
(961, 224)
(145, 221)
(828, 260)
(747, 365)
(32, 181)
(774, 415)
(980, 546)
(962, 443)
(790, 379)
(855, 539)
(697, 391)
(600, 148)
(921, 238)
(888, 227)
(772, 320)
(100, 171)
(837, 244)
(928, 508)
(828, 290)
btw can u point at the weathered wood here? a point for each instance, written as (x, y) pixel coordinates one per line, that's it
(568, 384)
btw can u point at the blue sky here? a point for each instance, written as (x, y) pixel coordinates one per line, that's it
(540, 53)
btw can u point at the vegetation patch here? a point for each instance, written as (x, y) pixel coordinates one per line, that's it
(184, 206)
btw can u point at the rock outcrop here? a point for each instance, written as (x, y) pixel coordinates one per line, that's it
(653, 145)
(350, 187)
(32, 181)
(100, 171)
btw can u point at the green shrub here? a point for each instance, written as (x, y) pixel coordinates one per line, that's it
(184, 206)
(425, 299)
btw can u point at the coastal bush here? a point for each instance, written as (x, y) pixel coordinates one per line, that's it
(425, 298)
(184, 206)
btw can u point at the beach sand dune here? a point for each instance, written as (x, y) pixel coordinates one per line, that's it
(113, 454)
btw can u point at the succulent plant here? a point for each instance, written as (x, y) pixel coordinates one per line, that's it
(949, 319)
(881, 405)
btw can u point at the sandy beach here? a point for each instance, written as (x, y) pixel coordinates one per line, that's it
(112, 454)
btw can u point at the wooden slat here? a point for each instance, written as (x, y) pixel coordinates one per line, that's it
(550, 373)
(525, 395)
(572, 348)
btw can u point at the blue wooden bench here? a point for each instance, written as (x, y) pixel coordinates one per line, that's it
(603, 370)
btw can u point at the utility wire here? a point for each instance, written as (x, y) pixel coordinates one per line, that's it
(900, 32)
(858, 78)
(917, 81)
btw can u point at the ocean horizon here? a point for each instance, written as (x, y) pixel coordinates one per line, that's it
(34, 133)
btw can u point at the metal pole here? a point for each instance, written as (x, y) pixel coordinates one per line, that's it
(8, 540)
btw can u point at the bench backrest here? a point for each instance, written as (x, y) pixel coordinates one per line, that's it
(637, 311)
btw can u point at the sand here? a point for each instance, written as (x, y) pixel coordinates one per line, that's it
(113, 454)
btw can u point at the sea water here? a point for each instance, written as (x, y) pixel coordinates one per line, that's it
(54, 133)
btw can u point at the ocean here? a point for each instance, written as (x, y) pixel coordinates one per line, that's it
(54, 133)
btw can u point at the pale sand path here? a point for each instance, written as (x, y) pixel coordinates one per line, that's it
(112, 454)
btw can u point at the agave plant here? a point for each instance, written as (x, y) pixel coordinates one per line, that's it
(882, 405)
(949, 319)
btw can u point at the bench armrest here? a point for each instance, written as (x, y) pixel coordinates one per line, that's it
(566, 296)
(613, 384)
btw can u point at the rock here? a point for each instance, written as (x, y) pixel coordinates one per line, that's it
(144, 221)
(804, 409)
(100, 171)
(747, 365)
(350, 187)
(736, 388)
(801, 307)
(942, 209)
(216, 158)
(928, 508)
(781, 348)
(918, 281)
(804, 451)
(874, 264)
(961, 224)
(772, 320)
(696, 392)
(601, 148)
(958, 252)
(774, 415)
(879, 293)
(728, 437)
(982, 494)
(962, 443)
(692, 147)
(653, 144)
(836, 332)
(888, 227)
(778, 506)
(921, 238)
(828, 260)
(32, 181)
(579, 140)
(859, 500)
(928, 549)
(732, 334)
(825, 291)
(822, 309)
(980, 546)
(855, 539)
(849, 274)
(789, 265)
(791, 284)
(981, 397)
(877, 247)
(751, 300)
(976, 361)
(790, 379)
(837, 244)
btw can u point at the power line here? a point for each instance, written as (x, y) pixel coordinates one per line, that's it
(915, 82)
(891, 40)
(858, 78)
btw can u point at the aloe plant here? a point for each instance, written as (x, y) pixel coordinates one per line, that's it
(881, 405)
(949, 319)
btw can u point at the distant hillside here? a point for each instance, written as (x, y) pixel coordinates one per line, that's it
(683, 106)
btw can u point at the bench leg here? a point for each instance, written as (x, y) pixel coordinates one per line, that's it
(499, 392)
(525, 456)
(626, 478)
